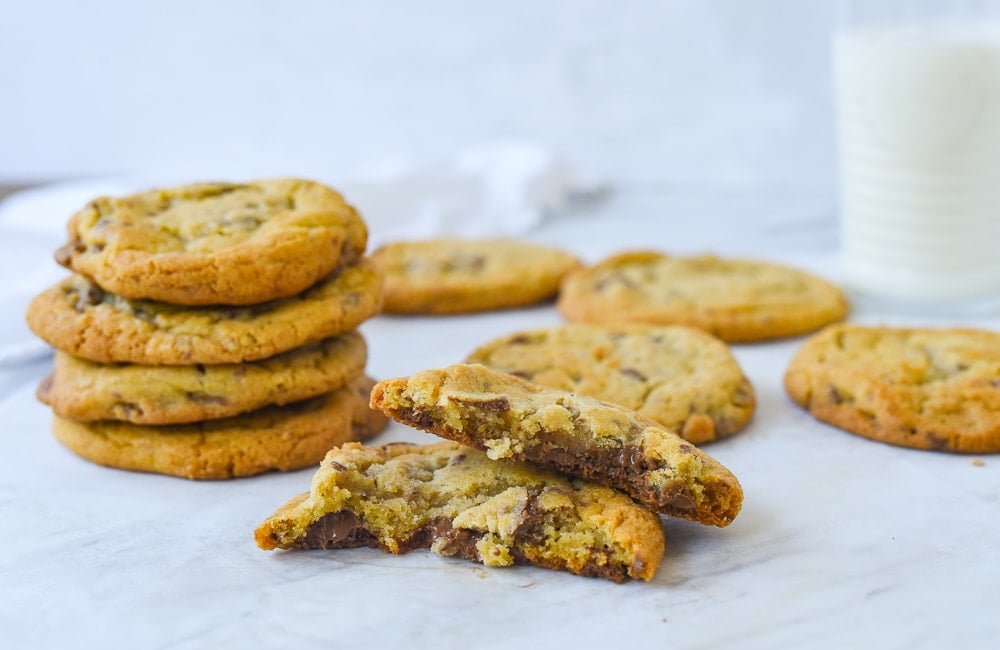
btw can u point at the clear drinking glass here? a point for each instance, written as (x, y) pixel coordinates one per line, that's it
(918, 106)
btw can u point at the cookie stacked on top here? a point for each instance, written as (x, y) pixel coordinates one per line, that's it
(208, 330)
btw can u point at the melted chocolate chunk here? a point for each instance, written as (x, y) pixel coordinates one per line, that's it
(561, 458)
(624, 468)
(631, 457)
(460, 542)
(497, 405)
(340, 529)
(494, 405)
(419, 419)
(427, 534)
(531, 526)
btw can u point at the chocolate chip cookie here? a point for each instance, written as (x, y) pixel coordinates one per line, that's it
(215, 243)
(936, 389)
(446, 276)
(84, 390)
(458, 503)
(736, 300)
(683, 378)
(78, 317)
(280, 438)
(509, 417)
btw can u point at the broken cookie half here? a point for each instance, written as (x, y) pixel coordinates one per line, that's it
(582, 437)
(457, 502)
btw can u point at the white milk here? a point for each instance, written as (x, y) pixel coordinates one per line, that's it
(919, 119)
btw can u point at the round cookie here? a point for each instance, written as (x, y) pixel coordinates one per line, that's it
(77, 317)
(84, 390)
(279, 438)
(680, 377)
(934, 389)
(458, 276)
(215, 243)
(736, 300)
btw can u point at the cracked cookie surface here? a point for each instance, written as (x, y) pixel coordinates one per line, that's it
(509, 417)
(84, 390)
(736, 300)
(451, 276)
(457, 502)
(932, 389)
(78, 317)
(215, 243)
(282, 438)
(683, 378)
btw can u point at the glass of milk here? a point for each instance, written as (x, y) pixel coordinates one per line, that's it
(918, 103)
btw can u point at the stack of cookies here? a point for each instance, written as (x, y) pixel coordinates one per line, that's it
(208, 330)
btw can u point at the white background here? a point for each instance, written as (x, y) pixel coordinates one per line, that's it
(698, 93)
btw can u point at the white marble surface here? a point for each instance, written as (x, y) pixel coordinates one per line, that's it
(842, 542)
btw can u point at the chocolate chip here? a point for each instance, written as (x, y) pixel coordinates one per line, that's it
(837, 396)
(205, 398)
(65, 252)
(89, 297)
(936, 442)
(496, 405)
(129, 409)
(337, 466)
(635, 374)
(44, 388)
(142, 313)
(743, 396)
(520, 339)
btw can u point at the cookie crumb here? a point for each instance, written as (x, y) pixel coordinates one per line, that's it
(976, 462)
